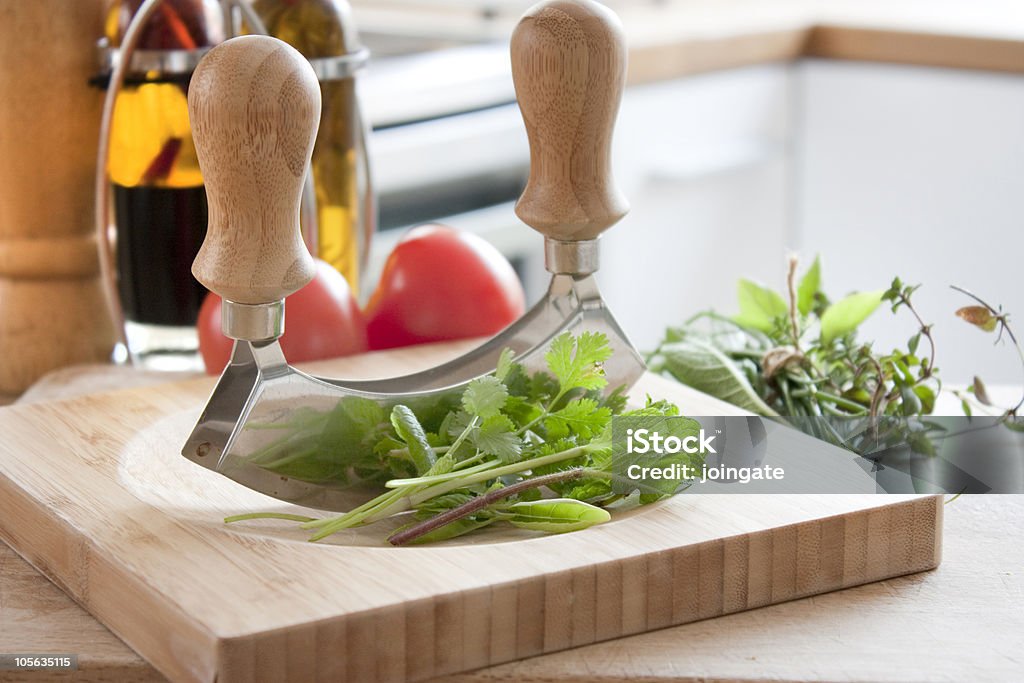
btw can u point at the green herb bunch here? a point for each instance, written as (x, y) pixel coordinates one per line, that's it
(799, 356)
(802, 358)
(512, 438)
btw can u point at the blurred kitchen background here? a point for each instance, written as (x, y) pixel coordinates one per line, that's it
(885, 136)
(882, 168)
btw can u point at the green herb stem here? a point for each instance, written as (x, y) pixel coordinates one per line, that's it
(268, 515)
(514, 468)
(404, 499)
(407, 496)
(853, 407)
(454, 448)
(363, 515)
(368, 505)
(479, 503)
(404, 452)
(437, 478)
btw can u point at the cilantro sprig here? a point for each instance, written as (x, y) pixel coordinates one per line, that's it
(495, 455)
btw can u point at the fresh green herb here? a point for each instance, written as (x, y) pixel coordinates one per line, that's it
(486, 456)
(799, 356)
(409, 430)
(556, 516)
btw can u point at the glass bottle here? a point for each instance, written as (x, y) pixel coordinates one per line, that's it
(159, 203)
(324, 32)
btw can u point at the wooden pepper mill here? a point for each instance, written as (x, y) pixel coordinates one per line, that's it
(52, 311)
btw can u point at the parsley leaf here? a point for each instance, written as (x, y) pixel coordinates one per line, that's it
(496, 436)
(485, 396)
(577, 362)
(522, 410)
(542, 387)
(581, 417)
(459, 423)
(615, 401)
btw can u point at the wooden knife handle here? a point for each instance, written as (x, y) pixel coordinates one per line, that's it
(254, 108)
(569, 68)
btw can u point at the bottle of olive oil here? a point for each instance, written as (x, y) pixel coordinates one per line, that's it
(324, 32)
(158, 196)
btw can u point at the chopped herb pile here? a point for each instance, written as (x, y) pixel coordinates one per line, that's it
(533, 450)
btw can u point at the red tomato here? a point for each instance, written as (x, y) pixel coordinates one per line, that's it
(322, 320)
(440, 284)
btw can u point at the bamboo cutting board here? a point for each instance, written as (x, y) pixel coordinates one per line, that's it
(94, 494)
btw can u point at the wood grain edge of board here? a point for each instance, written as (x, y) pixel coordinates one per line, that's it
(472, 629)
(41, 540)
(486, 626)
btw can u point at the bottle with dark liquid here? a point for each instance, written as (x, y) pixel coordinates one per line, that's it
(160, 230)
(158, 196)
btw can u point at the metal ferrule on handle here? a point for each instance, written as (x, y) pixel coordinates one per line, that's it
(571, 257)
(252, 322)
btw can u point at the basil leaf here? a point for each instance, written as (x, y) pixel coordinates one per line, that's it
(759, 306)
(810, 284)
(845, 315)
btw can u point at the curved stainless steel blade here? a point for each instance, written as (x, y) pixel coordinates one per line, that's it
(277, 430)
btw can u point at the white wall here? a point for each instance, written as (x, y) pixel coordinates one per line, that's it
(917, 172)
(882, 169)
(705, 164)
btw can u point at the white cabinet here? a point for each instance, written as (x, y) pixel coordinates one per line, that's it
(917, 172)
(882, 169)
(705, 162)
